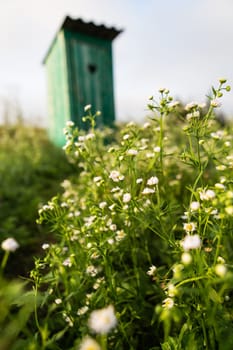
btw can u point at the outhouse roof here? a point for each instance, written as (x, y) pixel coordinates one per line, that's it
(88, 28)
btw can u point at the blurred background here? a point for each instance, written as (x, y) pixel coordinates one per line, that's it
(182, 45)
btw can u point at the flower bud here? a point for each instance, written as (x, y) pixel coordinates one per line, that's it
(222, 80)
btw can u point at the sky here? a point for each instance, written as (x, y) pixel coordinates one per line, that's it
(182, 45)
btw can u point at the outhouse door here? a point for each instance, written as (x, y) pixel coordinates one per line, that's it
(89, 64)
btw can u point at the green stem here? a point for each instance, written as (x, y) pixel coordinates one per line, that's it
(4, 261)
(103, 341)
(161, 143)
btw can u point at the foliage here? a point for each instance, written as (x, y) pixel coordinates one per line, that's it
(31, 169)
(145, 227)
(143, 252)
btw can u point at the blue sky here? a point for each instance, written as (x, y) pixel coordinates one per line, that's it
(183, 45)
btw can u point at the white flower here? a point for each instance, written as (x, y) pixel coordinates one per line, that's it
(132, 152)
(220, 186)
(69, 123)
(207, 195)
(67, 262)
(186, 258)
(45, 246)
(87, 108)
(97, 178)
(191, 105)
(89, 344)
(10, 245)
(194, 206)
(102, 205)
(91, 270)
(103, 320)
(58, 301)
(215, 103)
(152, 181)
(190, 226)
(148, 190)
(152, 270)
(146, 125)
(82, 310)
(120, 235)
(126, 197)
(126, 137)
(168, 303)
(156, 149)
(90, 136)
(116, 176)
(139, 180)
(191, 242)
(220, 270)
(171, 290)
(113, 227)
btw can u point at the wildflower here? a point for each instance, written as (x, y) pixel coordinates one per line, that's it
(220, 270)
(113, 227)
(102, 205)
(146, 125)
(191, 106)
(103, 320)
(126, 137)
(152, 181)
(89, 344)
(91, 270)
(82, 310)
(168, 303)
(10, 245)
(186, 258)
(156, 149)
(219, 186)
(67, 262)
(58, 301)
(90, 136)
(111, 207)
(126, 197)
(152, 270)
(139, 180)
(87, 108)
(221, 167)
(69, 123)
(222, 80)
(45, 246)
(111, 241)
(190, 226)
(148, 190)
(191, 242)
(207, 195)
(116, 176)
(215, 103)
(220, 260)
(174, 104)
(132, 152)
(120, 235)
(97, 178)
(217, 135)
(172, 290)
(194, 206)
(69, 320)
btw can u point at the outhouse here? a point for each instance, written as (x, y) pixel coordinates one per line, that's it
(79, 72)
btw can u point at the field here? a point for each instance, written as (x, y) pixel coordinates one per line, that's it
(127, 241)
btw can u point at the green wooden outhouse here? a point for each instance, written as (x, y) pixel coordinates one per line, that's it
(79, 72)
